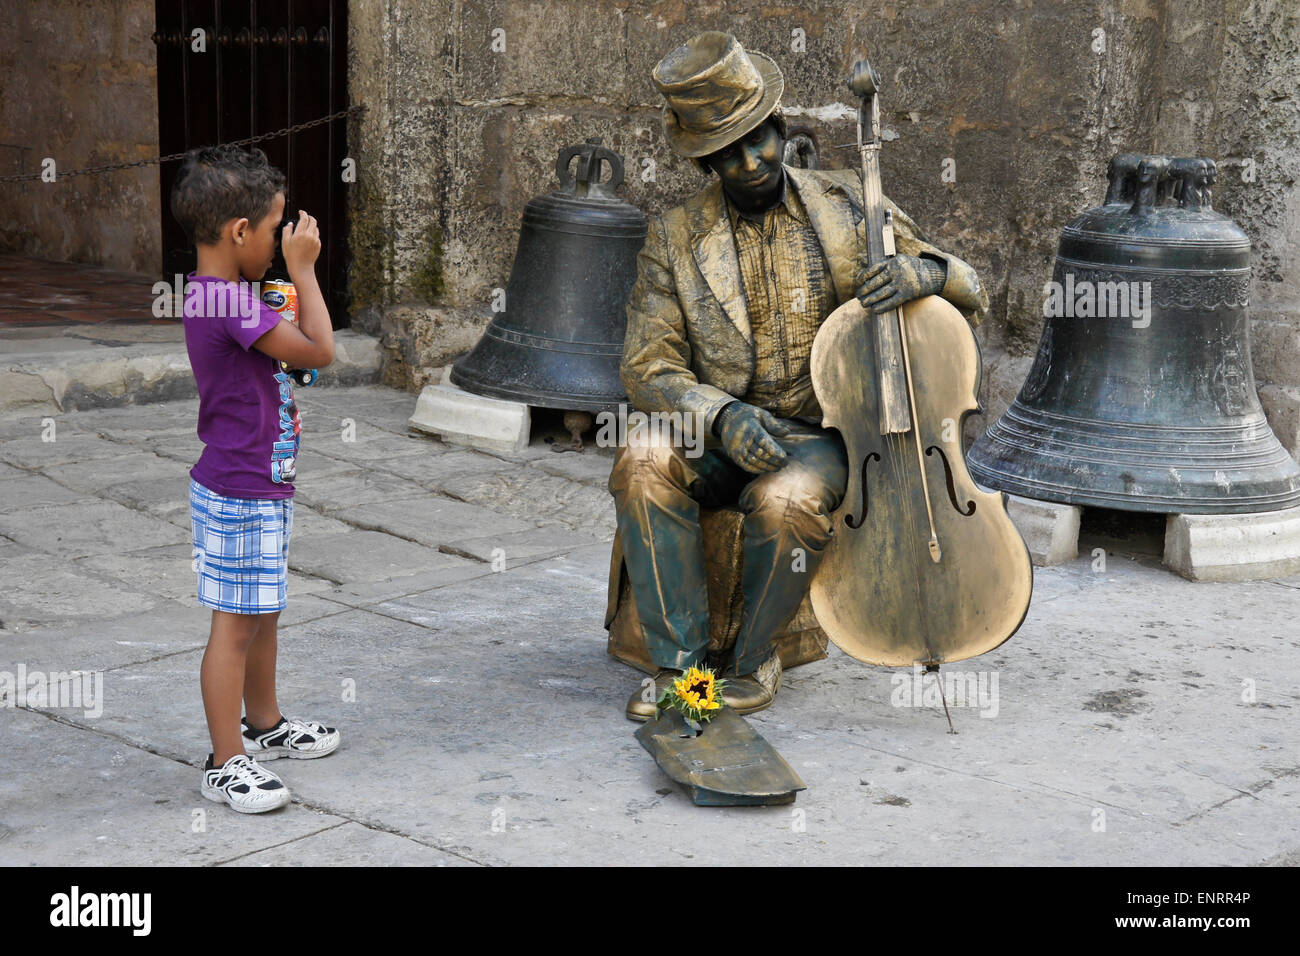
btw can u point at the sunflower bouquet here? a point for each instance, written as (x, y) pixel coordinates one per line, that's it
(697, 694)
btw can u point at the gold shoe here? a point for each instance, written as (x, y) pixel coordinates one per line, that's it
(638, 708)
(745, 695)
(754, 692)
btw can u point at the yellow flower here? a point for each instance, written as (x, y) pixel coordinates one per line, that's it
(696, 693)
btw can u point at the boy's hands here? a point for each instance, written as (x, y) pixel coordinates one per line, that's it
(300, 245)
(310, 343)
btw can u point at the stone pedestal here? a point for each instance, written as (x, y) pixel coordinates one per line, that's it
(1244, 547)
(1050, 529)
(463, 418)
(1240, 547)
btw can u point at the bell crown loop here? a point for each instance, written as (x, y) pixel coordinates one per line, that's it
(587, 184)
(1150, 182)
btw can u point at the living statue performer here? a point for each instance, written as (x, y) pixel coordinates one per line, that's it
(731, 288)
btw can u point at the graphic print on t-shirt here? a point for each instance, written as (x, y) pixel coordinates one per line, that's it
(284, 453)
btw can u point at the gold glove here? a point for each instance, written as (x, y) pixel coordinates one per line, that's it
(899, 279)
(747, 436)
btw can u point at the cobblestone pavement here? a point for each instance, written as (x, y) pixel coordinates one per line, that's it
(445, 612)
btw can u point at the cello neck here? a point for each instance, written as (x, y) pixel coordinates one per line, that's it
(873, 197)
(891, 359)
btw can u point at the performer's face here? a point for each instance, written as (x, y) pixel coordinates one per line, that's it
(750, 168)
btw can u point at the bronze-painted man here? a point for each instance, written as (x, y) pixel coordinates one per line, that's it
(731, 288)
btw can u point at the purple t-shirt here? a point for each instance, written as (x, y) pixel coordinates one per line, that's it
(248, 419)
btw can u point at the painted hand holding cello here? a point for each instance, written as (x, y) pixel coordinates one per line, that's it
(924, 566)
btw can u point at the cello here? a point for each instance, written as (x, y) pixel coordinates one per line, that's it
(924, 567)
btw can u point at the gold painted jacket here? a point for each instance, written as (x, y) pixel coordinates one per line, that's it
(689, 347)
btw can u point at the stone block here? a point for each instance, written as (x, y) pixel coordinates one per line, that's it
(1050, 529)
(1242, 547)
(463, 418)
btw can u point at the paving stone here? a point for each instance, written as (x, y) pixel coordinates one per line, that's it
(350, 844)
(312, 465)
(448, 466)
(431, 521)
(32, 452)
(341, 492)
(590, 467)
(26, 425)
(166, 498)
(307, 521)
(363, 556)
(372, 447)
(368, 415)
(167, 572)
(43, 589)
(133, 420)
(367, 593)
(389, 416)
(80, 528)
(520, 545)
(341, 399)
(530, 493)
(100, 818)
(30, 491)
(179, 446)
(303, 607)
(94, 476)
(308, 584)
(102, 640)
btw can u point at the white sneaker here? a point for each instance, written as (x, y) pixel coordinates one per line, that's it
(291, 737)
(242, 785)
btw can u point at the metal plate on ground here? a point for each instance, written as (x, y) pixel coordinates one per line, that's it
(728, 765)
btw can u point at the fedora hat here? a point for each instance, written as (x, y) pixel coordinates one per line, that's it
(715, 92)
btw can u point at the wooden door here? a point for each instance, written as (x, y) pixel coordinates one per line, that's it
(268, 64)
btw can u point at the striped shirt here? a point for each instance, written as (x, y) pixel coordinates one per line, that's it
(789, 293)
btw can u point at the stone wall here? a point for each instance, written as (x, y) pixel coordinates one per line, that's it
(78, 83)
(470, 101)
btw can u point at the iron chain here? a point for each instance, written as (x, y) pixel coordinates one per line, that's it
(171, 157)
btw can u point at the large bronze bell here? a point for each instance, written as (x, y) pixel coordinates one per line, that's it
(559, 340)
(1149, 406)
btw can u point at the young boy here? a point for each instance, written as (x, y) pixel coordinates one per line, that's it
(231, 202)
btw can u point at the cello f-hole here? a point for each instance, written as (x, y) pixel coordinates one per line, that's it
(952, 490)
(862, 480)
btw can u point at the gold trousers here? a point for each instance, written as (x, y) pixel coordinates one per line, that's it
(658, 492)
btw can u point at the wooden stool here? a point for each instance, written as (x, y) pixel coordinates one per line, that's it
(801, 642)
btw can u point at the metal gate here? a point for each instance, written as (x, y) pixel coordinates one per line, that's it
(268, 64)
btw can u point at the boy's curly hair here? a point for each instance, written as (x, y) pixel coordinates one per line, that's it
(216, 184)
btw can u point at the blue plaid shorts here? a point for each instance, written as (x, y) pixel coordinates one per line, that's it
(241, 550)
